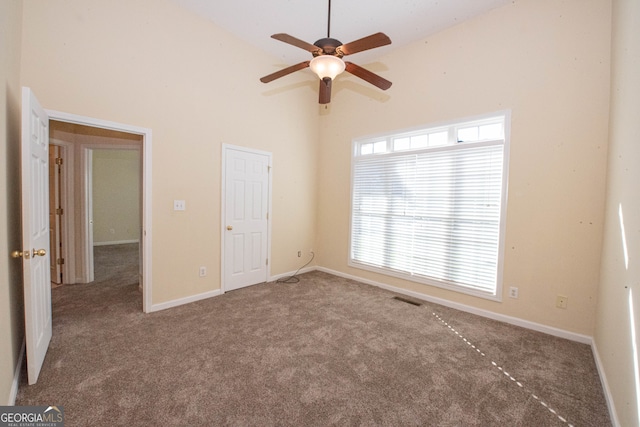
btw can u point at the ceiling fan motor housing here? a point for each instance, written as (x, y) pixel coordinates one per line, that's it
(329, 46)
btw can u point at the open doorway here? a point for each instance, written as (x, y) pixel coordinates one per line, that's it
(99, 189)
(114, 203)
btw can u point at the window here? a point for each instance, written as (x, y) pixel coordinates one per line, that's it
(428, 205)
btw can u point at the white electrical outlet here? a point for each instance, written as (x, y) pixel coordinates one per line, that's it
(561, 301)
(203, 271)
(513, 292)
(179, 205)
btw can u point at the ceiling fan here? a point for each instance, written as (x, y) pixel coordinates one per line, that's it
(327, 60)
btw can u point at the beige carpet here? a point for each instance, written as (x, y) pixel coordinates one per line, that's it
(325, 351)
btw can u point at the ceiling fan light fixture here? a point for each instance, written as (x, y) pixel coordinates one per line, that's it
(327, 66)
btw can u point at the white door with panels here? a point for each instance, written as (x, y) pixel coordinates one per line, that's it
(246, 217)
(35, 232)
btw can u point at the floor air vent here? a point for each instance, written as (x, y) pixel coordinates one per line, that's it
(408, 301)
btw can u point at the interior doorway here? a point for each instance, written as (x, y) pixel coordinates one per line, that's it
(101, 190)
(76, 139)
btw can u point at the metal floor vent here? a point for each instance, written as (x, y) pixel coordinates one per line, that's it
(408, 301)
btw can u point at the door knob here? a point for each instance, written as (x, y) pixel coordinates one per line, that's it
(229, 227)
(39, 252)
(20, 254)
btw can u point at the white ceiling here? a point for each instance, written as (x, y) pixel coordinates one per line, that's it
(404, 21)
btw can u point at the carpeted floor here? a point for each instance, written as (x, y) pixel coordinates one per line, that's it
(116, 264)
(325, 351)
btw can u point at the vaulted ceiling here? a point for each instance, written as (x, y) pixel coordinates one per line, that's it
(404, 21)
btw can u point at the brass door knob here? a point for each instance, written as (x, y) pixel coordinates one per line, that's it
(39, 252)
(229, 227)
(20, 254)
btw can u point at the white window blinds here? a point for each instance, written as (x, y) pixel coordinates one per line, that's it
(432, 215)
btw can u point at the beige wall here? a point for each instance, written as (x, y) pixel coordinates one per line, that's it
(134, 62)
(11, 303)
(620, 280)
(116, 196)
(548, 62)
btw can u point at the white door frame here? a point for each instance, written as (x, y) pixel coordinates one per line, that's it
(146, 134)
(223, 216)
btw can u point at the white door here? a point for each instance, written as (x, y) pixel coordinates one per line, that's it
(35, 232)
(245, 226)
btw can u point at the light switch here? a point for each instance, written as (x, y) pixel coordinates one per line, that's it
(179, 205)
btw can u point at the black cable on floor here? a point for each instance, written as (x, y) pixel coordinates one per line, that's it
(293, 278)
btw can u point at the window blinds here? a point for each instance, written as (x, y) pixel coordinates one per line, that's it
(433, 215)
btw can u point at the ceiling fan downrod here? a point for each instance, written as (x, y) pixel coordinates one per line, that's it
(329, 21)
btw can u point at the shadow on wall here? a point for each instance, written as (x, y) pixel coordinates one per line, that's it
(14, 224)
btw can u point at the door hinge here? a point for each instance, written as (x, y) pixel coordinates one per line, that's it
(267, 263)
(268, 168)
(267, 215)
(60, 261)
(59, 160)
(59, 211)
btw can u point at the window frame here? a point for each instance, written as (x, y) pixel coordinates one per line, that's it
(452, 128)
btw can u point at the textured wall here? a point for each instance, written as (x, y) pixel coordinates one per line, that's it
(546, 61)
(151, 64)
(116, 195)
(619, 293)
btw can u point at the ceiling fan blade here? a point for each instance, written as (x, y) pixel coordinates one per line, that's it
(271, 77)
(367, 75)
(365, 43)
(296, 42)
(324, 96)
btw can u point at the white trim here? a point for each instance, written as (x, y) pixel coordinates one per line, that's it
(291, 273)
(147, 212)
(182, 301)
(16, 375)
(605, 385)
(501, 116)
(86, 207)
(223, 200)
(550, 330)
(116, 242)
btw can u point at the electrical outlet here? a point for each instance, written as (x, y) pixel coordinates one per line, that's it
(513, 292)
(561, 301)
(203, 271)
(299, 254)
(179, 205)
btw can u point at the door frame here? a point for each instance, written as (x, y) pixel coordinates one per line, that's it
(146, 238)
(223, 204)
(67, 204)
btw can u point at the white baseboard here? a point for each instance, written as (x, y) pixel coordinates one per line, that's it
(291, 273)
(16, 376)
(585, 339)
(215, 293)
(182, 301)
(605, 385)
(115, 242)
